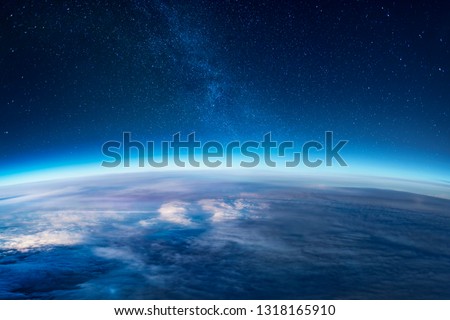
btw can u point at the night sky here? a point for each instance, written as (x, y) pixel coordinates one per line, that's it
(76, 74)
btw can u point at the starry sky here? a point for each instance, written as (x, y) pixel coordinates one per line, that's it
(75, 74)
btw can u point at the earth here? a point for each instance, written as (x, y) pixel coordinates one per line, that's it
(186, 235)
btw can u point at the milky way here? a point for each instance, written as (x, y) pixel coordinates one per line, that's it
(76, 74)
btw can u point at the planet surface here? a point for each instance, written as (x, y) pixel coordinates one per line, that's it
(207, 235)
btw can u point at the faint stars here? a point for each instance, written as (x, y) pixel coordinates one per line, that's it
(172, 66)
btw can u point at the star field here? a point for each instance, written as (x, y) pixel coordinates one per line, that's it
(78, 73)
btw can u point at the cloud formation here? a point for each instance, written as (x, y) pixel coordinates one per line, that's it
(222, 210)
(174, 212)
(40, 239)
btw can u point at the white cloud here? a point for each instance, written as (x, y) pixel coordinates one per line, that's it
(219, 209)
(147, 223)
(174, 212)
(55, 228)
(81, 218)
(123, 254)
(222, 210)
(39, 240)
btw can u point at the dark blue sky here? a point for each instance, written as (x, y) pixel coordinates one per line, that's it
(75, 74)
